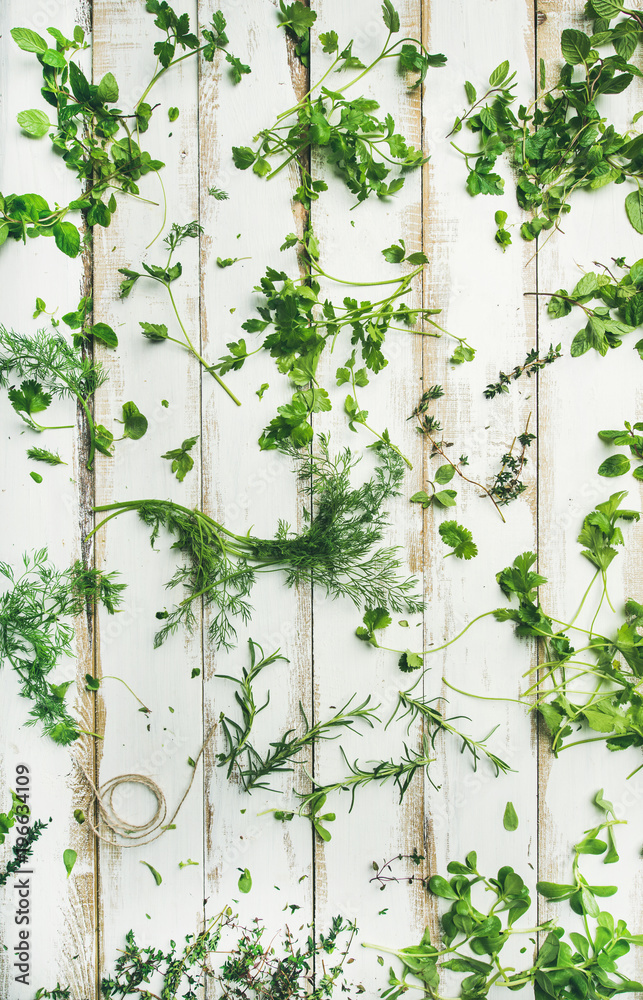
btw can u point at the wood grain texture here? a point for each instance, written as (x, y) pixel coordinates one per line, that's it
(79, 923)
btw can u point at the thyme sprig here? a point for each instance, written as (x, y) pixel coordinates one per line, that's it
(532, 364)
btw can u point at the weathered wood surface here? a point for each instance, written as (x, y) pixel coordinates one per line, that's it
(79, 923)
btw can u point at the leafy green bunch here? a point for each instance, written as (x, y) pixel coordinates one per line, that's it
(164, 275)
(335, 551)
(609, 704)
(302, 322)
(473, 936)
(51, 367)
(35, 632)
(310, 967)
(605, 325)
(561, 142)
(98, 141)
(360, 147)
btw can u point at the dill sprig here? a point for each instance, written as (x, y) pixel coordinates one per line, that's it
(34, 632)
(335, 551)
(56, 368)
(255, 769)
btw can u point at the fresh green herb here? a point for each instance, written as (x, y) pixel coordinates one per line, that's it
(37, 478)
(503, 236)
(134, 423)
(618, 465)
(245, 880)
(79, 320)
(605, 325)
(188, 863)
(532, 364)
(164, 275)
(506, 485)
(172, 114)
(157, 877)
(181, 459)
(69, 860)
(560, 143)
(297, 21)
(303, 324)
(41, 455)
(255, 769)
(334, 551)
(34, 635)
(510, 818)
(414, 706)
(51, 367)
(586, 965)
(97, 141)
(229, 261)
(459, 539)
(218, 194)
(384, 872)
(358, 145)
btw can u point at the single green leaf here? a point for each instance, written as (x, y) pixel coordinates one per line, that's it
(29, 41)
(245, 881)
(135, 424)
(444, 474)
(499, 74)
(615, 465)
(34, 122)
(67, 238)
(510, 818)
(157, 877)
(634, 209)
(108, 89)
(575, 46)
(173, 114)
(69, 860)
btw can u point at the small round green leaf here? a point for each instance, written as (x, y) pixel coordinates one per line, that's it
(69, 860)
(510, 818)
(245, 881)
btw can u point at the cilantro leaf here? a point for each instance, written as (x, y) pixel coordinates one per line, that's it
(180, 458)
(459, 539)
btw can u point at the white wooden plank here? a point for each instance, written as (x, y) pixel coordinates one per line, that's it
(147, 373)
(579, 397)
(351, 240)
(61, 910)
(481, 293)
(243, 487)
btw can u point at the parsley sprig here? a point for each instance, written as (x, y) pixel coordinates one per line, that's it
(300, 323)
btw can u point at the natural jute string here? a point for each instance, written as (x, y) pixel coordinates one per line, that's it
(125, 833)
